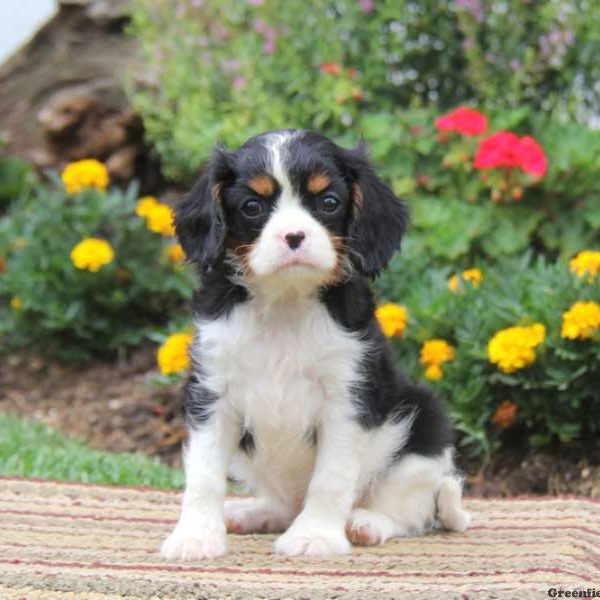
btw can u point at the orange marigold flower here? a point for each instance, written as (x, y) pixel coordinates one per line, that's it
(392, 319)
(175, 253)
(587, 262)
(434, 353)
(331, 68)
(505, 414)
(581, 321)
(2, 264)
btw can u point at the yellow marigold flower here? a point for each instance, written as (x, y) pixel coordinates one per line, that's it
(581, 321)
(434, 372)
(434, 353)
(586, 262)
(175, 253)
(173, 356)
(145, 205)
(392, 319)
(474, 276)
(514, 348)
(18, 244)
(91, 254)
(160, 219)
(16, 303)
(84, 174)
(505, 414)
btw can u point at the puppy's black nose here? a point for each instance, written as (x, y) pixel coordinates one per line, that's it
(294, 239)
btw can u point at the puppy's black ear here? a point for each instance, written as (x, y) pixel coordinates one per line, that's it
(379, 219)
(199, 217)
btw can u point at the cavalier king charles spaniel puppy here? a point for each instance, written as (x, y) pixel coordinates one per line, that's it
(293, 389)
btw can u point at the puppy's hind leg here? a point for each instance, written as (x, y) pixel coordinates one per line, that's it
(450, 512)
(255, 515)
(405, 502)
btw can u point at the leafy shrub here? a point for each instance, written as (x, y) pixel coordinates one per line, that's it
(226, 70)
(16, 179)
(83, 274)
(553, 394)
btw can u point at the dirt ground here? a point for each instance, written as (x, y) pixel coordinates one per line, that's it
(117, 407)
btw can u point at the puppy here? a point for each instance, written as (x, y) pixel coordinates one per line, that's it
(293, 389)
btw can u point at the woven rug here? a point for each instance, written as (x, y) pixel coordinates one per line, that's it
(62, 540)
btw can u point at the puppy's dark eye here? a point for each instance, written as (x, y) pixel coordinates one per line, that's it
(252, 208)
(329, 204)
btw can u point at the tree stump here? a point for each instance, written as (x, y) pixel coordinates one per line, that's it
(62, 95)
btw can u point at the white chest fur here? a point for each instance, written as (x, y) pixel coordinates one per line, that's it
(274, 369)
(276, 365)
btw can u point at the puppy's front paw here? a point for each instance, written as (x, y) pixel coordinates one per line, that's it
(195, 543)
(312, 541)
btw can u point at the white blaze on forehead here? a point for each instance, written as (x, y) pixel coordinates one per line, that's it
(276, 145)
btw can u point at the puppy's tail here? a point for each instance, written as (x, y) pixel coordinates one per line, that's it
(450, 512)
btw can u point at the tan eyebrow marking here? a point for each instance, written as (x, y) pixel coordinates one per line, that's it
(263, 185)
(317, 183)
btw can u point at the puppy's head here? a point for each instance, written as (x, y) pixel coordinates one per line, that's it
(291, 208)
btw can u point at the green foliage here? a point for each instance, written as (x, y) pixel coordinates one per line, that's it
(34, 450)
(454, 215)
(17, 178)
(226, 70)
(76, 313)
(558, 397)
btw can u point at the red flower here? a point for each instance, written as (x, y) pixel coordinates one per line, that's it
(506, 149)
(463, 120)
(532, 157)
(498, 150)
(331, 68)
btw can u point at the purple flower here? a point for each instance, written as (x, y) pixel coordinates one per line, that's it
(238, 83)
(269, 47)
(256, 2)
(259, 26)
(471, 6)
(198, 3)
(515, 64)
(367, 6)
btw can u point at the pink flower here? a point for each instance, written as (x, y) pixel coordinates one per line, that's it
(367, 6)
(463, 120)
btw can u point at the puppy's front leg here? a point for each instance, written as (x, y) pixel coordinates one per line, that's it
(200, 532)
(320, 528)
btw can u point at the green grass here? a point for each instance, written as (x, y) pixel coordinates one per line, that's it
(33, 450)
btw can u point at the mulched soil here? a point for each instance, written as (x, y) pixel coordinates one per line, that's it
(117, 407)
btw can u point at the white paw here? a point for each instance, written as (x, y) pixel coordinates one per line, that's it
(312, 541)
(195, 543)
(368, 528)
(251, 515)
